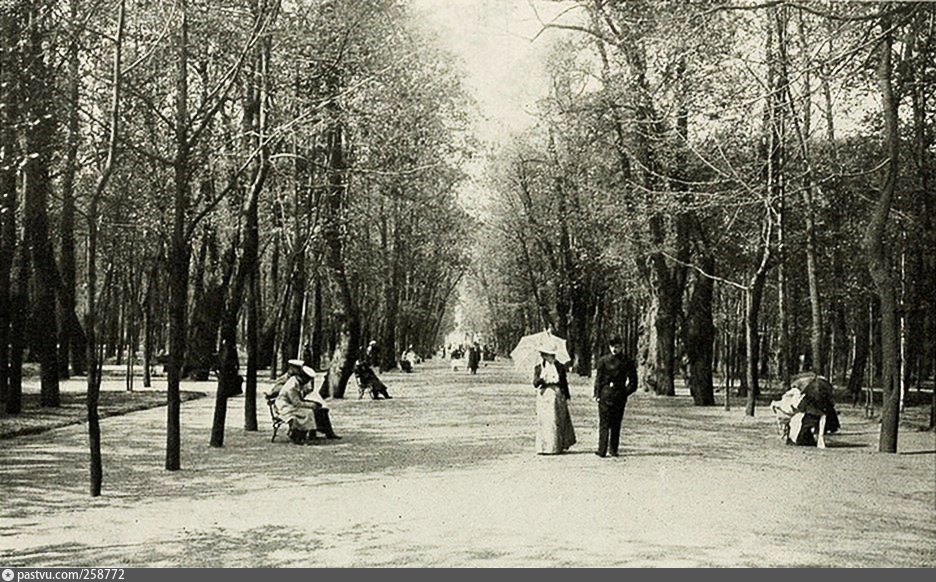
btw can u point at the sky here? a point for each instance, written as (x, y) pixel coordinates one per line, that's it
(493, 42)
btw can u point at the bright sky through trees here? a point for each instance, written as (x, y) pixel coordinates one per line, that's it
(493, 41)
(503, 65)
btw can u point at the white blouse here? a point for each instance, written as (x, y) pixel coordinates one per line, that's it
(548, 373)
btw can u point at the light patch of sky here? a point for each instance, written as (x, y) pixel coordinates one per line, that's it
(502, 56)
(494, 40)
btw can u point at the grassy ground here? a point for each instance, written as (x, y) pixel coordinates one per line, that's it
(444, 475)
(35, 419)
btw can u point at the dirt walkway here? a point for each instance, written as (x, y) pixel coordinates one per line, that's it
(443, 475)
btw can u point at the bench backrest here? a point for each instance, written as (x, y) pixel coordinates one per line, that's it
(271, 402)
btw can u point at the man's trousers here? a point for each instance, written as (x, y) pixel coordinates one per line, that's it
(610, 416)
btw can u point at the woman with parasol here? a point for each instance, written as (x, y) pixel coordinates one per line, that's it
(554, 430)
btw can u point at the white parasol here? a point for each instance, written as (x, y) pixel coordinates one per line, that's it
(527, 353)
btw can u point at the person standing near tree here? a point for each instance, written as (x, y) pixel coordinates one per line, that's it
(615, 380)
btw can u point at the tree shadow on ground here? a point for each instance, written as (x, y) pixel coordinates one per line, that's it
(437, 424)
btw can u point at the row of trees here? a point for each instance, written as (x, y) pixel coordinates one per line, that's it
(737, 188)
(212, 180)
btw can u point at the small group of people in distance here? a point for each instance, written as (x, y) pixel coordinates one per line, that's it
(805, 413)
(615, 380)
(470, 356)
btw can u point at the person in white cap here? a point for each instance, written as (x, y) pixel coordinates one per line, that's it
(305, 417)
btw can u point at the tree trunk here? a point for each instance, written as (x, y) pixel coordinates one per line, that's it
(255, 121)
(37, 184)
(388, 336)
(19, 304)
(873, 246)
(658, 331)
(291, 343)
(67, 220)
(346, 310)
(923, 139)
(179, 250)
(840, 349)
(148, 325)
(581, 330)
(93, 352)
(862, 353)
(9, 114)
(817, 361)
(318, 322)
(250, 386)
(752, 340)
(699, 336)
(777, 179)
(785, 355)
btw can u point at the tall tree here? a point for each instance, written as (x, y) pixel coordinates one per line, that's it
(873, 243)
(37, 186)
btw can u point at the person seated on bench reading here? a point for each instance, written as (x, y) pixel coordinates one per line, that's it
(305, 416)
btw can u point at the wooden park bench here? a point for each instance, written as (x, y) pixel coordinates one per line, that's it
(275, 417)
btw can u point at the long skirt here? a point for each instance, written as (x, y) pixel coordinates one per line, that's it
(554, 431)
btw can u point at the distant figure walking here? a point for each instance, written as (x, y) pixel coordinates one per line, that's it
(615, 380)
(554, 430)
(474, 358)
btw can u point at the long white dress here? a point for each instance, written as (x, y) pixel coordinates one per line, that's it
(554, 430)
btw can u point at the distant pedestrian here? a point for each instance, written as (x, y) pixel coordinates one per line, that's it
(615, 380)
(474, 358)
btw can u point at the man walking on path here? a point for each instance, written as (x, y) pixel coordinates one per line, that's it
(615, 380)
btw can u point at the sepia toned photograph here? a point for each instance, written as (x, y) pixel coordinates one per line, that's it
(466, 284)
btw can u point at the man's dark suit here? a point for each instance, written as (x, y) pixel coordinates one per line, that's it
(615, 380)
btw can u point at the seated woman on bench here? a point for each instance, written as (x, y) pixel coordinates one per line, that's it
(806, 412)
(368, 380)
(305, 417)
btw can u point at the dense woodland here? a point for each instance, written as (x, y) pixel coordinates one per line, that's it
(742, 190)
(218, 185)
